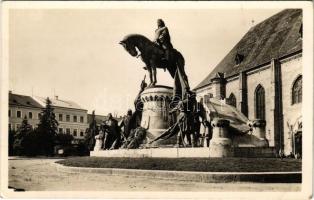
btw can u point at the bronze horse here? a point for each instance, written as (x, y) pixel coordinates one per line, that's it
(152, 55)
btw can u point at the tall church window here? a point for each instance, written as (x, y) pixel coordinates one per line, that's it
(260, 102)
(232, 100)
(297, 90)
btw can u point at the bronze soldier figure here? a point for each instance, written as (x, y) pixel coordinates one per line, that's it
(138, 104)
(112, 134)
(127, 124)
(185, 119)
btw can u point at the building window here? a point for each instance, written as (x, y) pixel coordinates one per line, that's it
(232, 100)
(238, 58)
(68, 131)
(297, 91)
(18, 114)
(74, 118)
(9, 113)
(10, 127)
(67, 118)
(60, 130)
(30, 115)
(260, 102)
(82, 133)
(75, 132)
(60, 117)
(17, 126)
(82, 119)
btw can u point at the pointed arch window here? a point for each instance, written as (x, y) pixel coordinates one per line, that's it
(232, 100)
(260, 102)
(297, 90)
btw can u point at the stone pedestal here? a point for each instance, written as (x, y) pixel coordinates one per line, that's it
(259, 131)
(99, 142)
(155, 115)
(220, 144)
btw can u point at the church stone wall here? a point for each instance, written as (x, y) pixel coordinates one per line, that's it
(290, 70)
(200, 93)
(262, 77)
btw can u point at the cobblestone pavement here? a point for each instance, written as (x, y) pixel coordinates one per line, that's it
(41, 175)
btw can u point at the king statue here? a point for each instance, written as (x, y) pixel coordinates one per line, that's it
(162, 38)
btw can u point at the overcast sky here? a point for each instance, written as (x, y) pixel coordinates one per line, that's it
(75, 53)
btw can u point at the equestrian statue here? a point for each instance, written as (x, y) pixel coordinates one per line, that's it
(157, 54)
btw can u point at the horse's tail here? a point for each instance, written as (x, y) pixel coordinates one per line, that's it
(180, 62)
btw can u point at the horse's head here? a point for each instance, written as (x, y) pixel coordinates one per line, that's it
(129, 47)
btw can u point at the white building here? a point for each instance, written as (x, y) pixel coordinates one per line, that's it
(71, 117)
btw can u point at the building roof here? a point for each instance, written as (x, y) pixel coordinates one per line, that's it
(56, 102)
(275, 37)
(23, 100)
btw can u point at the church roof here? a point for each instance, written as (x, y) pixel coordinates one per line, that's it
(275, 37)
(23, 100)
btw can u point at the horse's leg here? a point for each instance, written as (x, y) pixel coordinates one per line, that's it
(149, 69)
(153, 67)
(154, 75)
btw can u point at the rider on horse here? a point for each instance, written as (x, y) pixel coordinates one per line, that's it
(162, 38)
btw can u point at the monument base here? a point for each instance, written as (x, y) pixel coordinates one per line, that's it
(154, 153)
(199, 152)
(220, 147)
(155, 116)
(262, 142)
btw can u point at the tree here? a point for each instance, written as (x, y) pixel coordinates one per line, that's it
(11, 138)
(31, 143)
(47, 129)
(20, 141)
(91, 132)
(64, 139)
